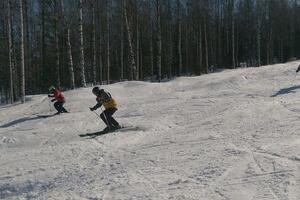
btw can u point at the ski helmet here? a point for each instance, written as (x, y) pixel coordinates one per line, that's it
(96, 90)
(51, 88)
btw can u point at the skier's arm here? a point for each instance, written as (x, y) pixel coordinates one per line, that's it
(51, 95)
(98, 105)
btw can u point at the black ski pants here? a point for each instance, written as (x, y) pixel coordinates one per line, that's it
(107, 118)
(59, 106)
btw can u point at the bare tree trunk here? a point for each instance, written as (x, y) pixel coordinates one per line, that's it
(122, 41)
(57, 57)
(293, 25)
(233, 34)
(99, 45)
(258, 32)
(186, 50)
(108, 40)
(28, 70)
(170, 41)
(227, 27)
(36, 65)
(151, 41)
(237, 46)
(141, 76)
(15, 72)
(82, 70)
(43, 47)
(94, 44)
(206, 47)
(68, 45)
(281, 50)
(151, 53)
(269, 46)
(158, 39)
(22, 53)
(219, 34)
(129, 35)
(179, 38)
(10, 50)
(268, 42)
(71, 67)
(137, 41)
(200, 49)
(211, 46)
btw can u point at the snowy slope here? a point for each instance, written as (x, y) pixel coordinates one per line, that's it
(230, 135)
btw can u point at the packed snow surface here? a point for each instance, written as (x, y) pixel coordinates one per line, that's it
(232, 135)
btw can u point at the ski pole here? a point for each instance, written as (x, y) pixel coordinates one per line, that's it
(50, 109)
(104, 117)
(96, 114)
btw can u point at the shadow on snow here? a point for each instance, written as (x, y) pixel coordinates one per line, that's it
(24, 119)
(286, 90)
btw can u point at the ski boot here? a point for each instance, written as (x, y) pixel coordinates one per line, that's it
(116, 127)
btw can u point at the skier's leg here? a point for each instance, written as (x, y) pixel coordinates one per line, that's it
(103, 117)
(108, 118)
(56, 106)
(60, 107)
(115, 123)
(63, 108)
(111, 121)
(108, 114)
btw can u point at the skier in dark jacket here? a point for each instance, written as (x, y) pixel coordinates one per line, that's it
(59, 98)
(110, 105)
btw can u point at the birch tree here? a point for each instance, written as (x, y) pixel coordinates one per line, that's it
(10, 50)
(69, 47)
(133, 74)
(57, 57)
(82, 67)
(94, 44)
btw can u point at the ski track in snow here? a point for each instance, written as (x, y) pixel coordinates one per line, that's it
(232, 135)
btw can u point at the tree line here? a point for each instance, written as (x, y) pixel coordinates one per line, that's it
(75, 43)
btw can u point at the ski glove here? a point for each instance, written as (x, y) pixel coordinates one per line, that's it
(52, 100)
(92, 109)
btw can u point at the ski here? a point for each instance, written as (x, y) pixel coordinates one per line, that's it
(123, 129)
(50, 115)
(45, 116)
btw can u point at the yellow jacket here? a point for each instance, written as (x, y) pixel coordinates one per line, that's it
(111, 103)
(105, 99)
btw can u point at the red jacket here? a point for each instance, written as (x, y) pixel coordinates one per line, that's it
(58, 95)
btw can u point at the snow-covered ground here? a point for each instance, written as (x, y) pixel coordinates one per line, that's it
(232, 135)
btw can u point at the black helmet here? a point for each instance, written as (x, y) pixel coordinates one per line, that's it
(96, 90)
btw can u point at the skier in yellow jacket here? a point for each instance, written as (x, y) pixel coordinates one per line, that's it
(110, 105)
